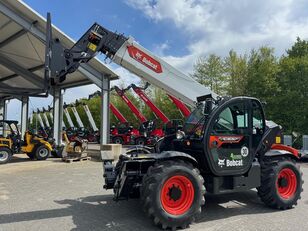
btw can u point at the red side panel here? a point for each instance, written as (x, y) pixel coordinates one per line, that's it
(181, 106)
(117, 113)
(286, 148)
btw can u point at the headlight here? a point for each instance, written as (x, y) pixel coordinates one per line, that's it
(180, 135)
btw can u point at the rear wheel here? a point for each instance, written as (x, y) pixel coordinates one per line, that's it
(140, 141)
(172, 193)
(41, 152)
(117, 140)
(5, 155)
(281, 183)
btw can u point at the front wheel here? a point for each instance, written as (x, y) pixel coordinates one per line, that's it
(172, 193)
(140, 141)
(41, 152)
(281, 183)
(117, 140)
(5, 155)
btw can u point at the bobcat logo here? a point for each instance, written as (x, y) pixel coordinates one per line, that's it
(221, 163)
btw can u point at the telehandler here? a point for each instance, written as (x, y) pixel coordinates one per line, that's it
(226, 144)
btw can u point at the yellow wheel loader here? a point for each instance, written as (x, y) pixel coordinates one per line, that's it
(11, 143)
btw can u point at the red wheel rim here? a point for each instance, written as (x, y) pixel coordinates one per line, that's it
(177, 195)
(286, 183)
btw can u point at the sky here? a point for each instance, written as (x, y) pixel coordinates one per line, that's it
(179, 31)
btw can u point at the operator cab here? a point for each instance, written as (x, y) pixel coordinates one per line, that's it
(10, 131)
(224, 134)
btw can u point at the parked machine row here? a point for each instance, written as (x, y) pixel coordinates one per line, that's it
(122, 133)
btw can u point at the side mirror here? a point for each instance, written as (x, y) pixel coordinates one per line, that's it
(295, 134)
(208, 107)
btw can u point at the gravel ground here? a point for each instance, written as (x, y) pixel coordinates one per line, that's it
(52, 195)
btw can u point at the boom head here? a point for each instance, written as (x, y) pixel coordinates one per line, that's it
(95, 94)
(60, 61)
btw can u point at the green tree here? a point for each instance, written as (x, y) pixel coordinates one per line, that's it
(299, 49)
(209, 71)
(261, 77)
(236, 71)
(292, 98)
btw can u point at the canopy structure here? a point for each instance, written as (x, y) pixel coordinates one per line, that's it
(22, 58)
(22, 52)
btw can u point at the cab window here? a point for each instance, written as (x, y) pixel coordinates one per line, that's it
(232, 120)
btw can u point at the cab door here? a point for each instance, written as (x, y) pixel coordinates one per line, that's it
(228, 138)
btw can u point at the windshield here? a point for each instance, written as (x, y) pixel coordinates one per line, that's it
(195, 121)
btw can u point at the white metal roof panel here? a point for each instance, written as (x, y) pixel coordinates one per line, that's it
(27, 48)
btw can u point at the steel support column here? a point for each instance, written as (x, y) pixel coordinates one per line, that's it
(2, 113)
(2, 109)
(57, 115)
(24, 115)
(105, 126)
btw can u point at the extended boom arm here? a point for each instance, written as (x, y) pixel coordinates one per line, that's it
(129, 54)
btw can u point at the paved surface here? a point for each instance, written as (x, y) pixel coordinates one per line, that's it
(53, 195)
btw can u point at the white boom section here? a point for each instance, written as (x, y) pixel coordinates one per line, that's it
(51, 117)
(38, 116)
(156, 71)
(90, 117)
(68, 117)
(46, 120)
(31, 118)
(77, 117)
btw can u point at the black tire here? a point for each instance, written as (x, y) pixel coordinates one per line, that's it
(273, 176)
(117, 140)
(140, 141)
(41, 152)
(5, 155)
(154, 185)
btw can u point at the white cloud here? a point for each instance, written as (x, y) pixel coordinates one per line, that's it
(213, 26)
(160, 49)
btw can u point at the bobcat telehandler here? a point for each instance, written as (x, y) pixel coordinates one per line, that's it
(11, 143)
(226, 144)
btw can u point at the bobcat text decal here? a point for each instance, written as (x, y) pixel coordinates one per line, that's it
(145, 59)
